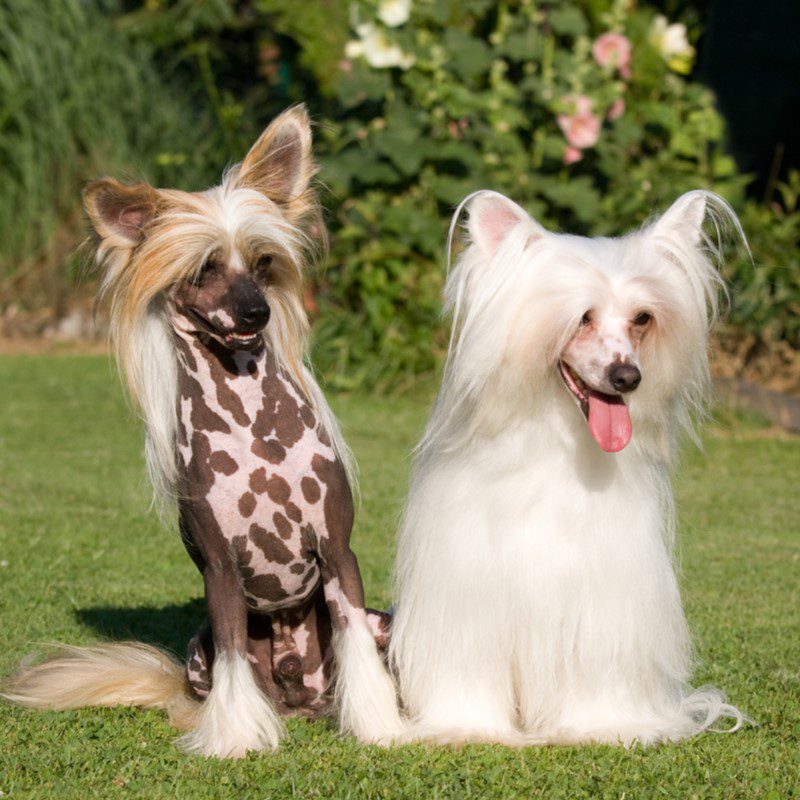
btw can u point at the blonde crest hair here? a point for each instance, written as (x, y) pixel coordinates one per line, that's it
(150, 240)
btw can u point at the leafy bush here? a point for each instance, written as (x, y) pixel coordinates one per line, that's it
(579, 111)
(764, 316)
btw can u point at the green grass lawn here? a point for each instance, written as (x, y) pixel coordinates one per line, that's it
(81, 560)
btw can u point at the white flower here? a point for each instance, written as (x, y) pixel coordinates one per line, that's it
(376, 48)
(394, 12)
(673, 44)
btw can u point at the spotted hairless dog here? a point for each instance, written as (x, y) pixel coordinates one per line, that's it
(207, 319)
(265, 513)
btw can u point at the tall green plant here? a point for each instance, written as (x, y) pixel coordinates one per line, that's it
(77, 98)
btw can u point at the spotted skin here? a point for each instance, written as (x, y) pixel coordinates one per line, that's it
(607, 337)
(266, 513)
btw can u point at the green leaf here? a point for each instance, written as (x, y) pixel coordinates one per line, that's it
(568, 20)
(468, 56)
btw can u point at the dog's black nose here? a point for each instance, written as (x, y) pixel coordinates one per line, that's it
(624, 377)
(254, 317)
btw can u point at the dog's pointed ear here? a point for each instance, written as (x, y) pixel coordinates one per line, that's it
(492, 216)
(684, 218)
(120, 213)
(280, 164)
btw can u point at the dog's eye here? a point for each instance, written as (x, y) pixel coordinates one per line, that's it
(263, 265)
(586, 318)
(642, 319)
(205, 270)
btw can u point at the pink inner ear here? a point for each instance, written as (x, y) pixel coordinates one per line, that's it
(495, 220)
(132, 219)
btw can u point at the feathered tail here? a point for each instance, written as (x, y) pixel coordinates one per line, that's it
(125, 674)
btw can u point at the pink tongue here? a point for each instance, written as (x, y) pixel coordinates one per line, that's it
(609, 421)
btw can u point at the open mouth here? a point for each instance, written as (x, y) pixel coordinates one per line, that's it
(236, 340)
(607, 414)
(242, 340)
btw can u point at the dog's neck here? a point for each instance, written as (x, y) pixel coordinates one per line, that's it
(208, 362)
(239, 393)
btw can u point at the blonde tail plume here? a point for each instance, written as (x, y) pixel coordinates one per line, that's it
(125, 674)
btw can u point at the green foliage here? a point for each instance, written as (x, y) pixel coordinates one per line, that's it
(417, 103)
(77, 99)
(765, 300)
(481, 95)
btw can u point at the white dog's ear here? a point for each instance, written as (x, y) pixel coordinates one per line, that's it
(280, 163)
(491, 218)
(120, 213)
(684, 218)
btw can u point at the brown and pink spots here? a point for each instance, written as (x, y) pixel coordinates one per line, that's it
(265, 478)
(247, 504)
(220, 461)
(311, 490)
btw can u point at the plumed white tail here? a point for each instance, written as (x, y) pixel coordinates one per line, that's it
(234, 719)
(124, 674)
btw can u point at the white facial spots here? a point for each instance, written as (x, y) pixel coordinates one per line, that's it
(222, 319)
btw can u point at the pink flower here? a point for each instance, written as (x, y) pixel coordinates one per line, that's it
(613, 50)
(572, 155)
(617, 109)
(581, 128)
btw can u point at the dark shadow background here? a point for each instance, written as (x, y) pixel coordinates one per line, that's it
(170, 626)
(750, 57)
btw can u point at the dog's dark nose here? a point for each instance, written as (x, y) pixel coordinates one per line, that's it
(254, 317)
(624, 377)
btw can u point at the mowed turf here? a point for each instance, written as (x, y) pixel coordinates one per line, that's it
(82, 560)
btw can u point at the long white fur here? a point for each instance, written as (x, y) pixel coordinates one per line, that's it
(536, 592)
(236, 716)
(365, 696)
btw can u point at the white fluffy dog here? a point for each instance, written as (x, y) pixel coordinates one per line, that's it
(537, 600)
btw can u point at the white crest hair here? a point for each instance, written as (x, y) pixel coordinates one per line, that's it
(532, 263)
(536, 596)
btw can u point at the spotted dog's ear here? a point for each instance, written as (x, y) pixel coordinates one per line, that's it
(492, 216)
(280, 164)
(120, 213)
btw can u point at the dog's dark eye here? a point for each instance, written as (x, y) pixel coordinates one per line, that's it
(205, 270)
(263, 265)
(642, 319)
(586, 318)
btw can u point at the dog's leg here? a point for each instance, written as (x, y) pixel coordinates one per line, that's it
(199, 659)
(380, 623)
(451, 645)
(236, 716)
(365, 696)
